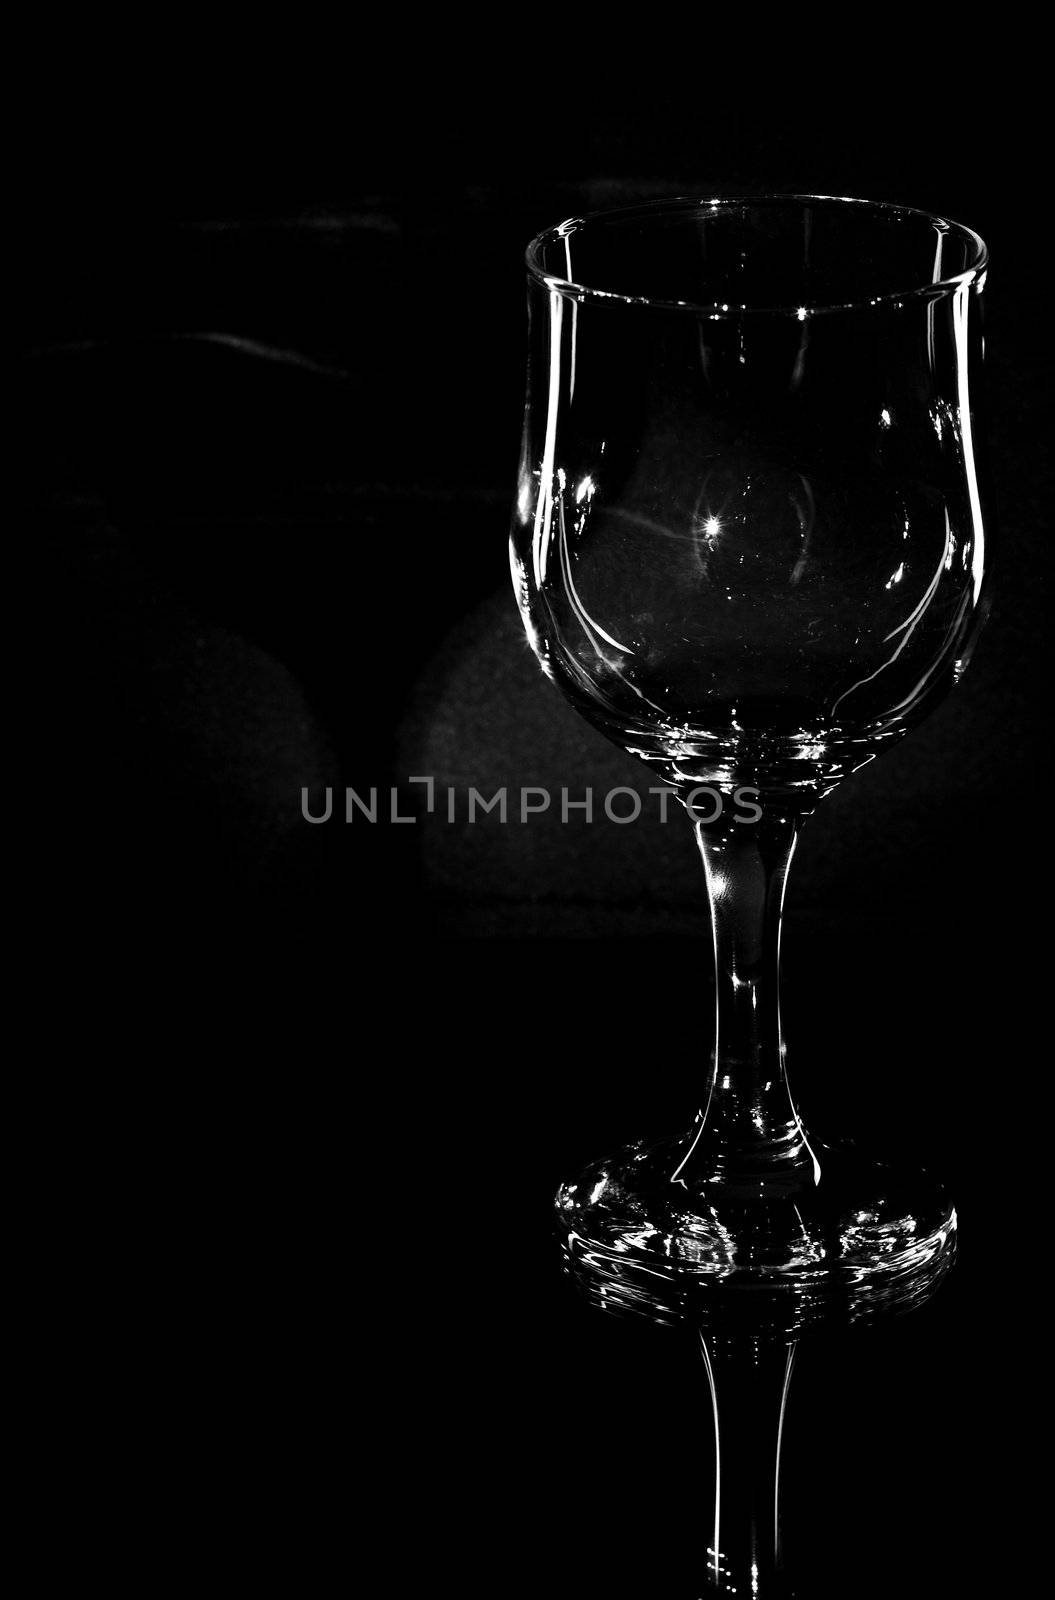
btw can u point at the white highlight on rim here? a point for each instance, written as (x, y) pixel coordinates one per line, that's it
(975, 273)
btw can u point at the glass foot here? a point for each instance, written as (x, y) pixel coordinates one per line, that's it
(854, 1238)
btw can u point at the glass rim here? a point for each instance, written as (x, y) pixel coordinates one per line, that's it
(974, 273)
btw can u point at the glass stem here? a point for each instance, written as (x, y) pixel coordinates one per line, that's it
(747, 1130)
(749, 1381)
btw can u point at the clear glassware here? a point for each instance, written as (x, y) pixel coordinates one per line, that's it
(749, 546)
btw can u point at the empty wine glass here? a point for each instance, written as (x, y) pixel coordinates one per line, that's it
(749, 546)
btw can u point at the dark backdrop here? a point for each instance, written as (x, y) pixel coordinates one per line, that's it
(306, 1091)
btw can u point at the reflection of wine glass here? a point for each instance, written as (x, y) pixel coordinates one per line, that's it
(749, 547)
(749, 1344)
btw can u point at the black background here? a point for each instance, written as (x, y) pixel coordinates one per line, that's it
(305, 1092)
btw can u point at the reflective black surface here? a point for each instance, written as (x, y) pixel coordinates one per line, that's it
(233, 1351)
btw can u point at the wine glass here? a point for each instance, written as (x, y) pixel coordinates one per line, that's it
(749, 546)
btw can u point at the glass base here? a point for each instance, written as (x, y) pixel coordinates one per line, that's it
(861, 1237)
